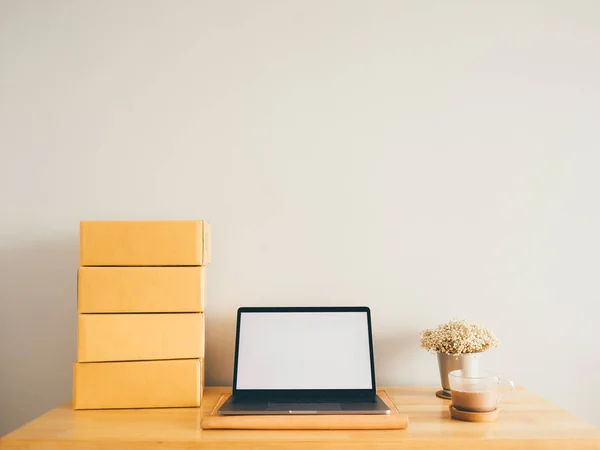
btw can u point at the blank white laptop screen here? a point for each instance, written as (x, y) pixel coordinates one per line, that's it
(304, 350)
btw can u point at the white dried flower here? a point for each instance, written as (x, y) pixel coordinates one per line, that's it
(458, 336)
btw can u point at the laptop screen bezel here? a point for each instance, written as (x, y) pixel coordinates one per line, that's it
(300, 394)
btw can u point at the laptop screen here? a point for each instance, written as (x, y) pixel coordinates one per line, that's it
(304, 350)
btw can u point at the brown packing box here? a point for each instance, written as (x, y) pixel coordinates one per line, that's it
(138, 384)
(136, 337)
(144, 243)
(140, 289)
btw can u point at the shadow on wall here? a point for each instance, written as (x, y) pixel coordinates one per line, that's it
(396, 353)
(38, 324)
(220, 348)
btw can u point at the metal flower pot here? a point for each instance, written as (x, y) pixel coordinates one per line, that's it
(469, 362)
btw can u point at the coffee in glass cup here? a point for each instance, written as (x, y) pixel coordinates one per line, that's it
(476, 392)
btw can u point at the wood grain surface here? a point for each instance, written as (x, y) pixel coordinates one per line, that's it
(526, 421)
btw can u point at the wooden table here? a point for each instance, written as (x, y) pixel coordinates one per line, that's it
(526, 422)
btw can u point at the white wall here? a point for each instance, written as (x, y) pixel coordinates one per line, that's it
(428, 159)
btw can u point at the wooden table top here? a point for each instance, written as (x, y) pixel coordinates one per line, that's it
(526, 421)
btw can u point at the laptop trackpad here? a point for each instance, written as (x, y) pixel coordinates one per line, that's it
(278, 406)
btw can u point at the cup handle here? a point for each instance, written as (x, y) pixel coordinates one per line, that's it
(509, 383)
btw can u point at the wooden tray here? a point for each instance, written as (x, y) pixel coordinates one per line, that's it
(392, 421)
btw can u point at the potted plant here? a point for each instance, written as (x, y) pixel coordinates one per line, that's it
(458, 345)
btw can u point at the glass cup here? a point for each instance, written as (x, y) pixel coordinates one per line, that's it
(477, 392)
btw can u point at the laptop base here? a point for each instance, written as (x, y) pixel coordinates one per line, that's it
(243, 407)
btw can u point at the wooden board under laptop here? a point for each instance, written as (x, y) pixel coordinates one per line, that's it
(392, 421)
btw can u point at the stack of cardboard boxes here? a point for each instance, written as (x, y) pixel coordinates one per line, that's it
(141, 321)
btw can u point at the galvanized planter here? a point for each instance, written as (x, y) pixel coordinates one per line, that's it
(469, 362)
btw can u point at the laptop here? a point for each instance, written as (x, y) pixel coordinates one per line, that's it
(307, 360)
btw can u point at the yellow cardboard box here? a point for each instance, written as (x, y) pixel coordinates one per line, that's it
(137, 337)
(144, 243)
(140, 289)
(138, 384)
